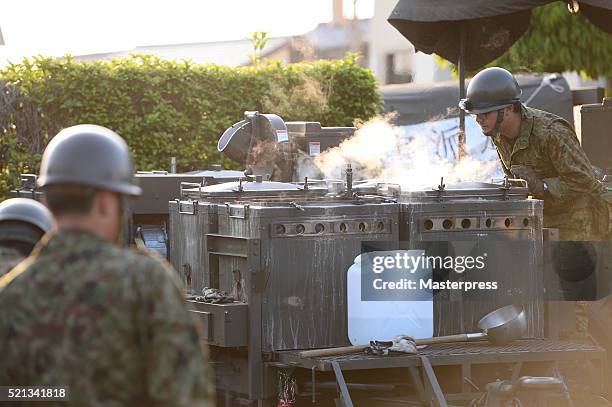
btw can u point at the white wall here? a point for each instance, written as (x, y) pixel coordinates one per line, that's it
(384, 40)
(576, 81)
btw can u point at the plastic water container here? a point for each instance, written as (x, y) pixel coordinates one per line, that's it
(383, 320)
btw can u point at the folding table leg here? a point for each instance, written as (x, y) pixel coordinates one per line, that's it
(418, 383)
(345, 398)
(434, 386)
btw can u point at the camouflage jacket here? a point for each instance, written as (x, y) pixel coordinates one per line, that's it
(547, 144)
(110, 323)
(9, 258)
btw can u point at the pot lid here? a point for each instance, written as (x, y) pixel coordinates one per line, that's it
(218, 174)
(246, 186)
(253, 187)
(465, 190)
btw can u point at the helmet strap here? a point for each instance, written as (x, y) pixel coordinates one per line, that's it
(498, 123)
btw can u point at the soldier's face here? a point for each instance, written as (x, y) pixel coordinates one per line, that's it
(486, 121)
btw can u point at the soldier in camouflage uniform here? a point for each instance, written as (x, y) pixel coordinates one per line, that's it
(83, 312)
(22, 224)
(543, 149)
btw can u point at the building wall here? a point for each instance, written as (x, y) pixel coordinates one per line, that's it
(283, 54)
(576, 81)
(386, 43)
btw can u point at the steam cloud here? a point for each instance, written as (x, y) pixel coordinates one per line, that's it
(381, 151)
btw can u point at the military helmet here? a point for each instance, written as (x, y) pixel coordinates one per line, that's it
(91, 156)
(491, 89)
(23, 219)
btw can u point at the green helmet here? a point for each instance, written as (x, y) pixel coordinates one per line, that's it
(91, 156)
(491, 89)
(24, 220)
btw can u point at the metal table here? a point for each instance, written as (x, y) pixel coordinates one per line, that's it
(464, 355)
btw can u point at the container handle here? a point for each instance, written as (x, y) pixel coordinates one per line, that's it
(186, 212)
(190, 185)
(238, 213)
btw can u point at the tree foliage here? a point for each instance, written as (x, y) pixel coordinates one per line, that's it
(167, 108)
(259, 39)
(559, 41)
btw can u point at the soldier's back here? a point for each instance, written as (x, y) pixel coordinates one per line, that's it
(105, 321)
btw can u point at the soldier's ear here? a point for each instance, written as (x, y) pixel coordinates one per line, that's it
(98, 205)
(106, 203)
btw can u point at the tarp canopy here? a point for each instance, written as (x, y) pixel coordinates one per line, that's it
(453, 10)
(491, 27)
(418, 103)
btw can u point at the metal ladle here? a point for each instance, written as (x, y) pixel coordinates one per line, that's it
(499, 327)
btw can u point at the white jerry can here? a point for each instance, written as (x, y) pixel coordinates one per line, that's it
(383, 320)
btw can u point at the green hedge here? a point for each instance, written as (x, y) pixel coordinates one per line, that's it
(167, 108)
